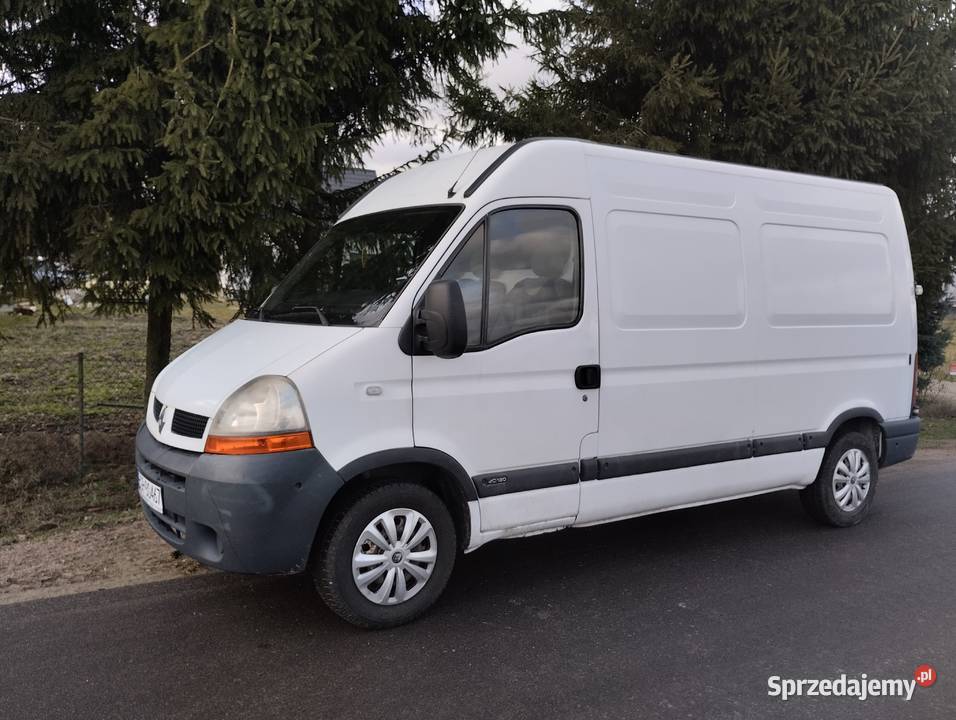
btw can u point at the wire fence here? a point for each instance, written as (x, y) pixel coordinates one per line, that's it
(86, 405)
(110, 398)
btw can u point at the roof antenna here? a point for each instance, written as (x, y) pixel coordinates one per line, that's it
(451, 190)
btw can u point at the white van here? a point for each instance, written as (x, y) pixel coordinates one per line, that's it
(533, 337)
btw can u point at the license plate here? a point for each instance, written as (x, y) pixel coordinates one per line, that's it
(151, 493)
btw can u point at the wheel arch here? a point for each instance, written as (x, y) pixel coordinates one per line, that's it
(432, 468)
(866, 419)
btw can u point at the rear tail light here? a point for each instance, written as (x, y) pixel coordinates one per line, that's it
(914, 408)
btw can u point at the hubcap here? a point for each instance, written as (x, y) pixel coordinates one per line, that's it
(851, 480)
(394, 556)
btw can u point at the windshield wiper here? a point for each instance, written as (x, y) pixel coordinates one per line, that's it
(299, 313)
(324, 320)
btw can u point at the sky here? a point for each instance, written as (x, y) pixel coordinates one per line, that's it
(512, 69)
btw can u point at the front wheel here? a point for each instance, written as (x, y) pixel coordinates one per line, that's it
(387, 556)
(846, 484)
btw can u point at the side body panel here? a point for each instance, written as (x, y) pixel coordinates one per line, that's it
(834, 305)
(677, 339)
(738, 310)
(358, 396)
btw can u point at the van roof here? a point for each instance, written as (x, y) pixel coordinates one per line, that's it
(546, 167)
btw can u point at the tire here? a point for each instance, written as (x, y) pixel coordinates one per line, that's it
(394, 506)
(826, 499)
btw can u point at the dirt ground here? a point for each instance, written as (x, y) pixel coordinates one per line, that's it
(82, 560)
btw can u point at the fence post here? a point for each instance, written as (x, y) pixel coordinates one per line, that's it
(80, 389)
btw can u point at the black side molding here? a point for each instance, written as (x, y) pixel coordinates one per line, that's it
(822, 439)
(534, 478)
(589, 469)
(900, 443)
(648, 462)
(779, 444)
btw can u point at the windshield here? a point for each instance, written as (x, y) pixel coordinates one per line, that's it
(353, 275)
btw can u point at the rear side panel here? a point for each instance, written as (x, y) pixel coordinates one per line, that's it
(833, 305)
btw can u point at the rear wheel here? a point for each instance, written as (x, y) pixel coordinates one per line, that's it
(387, 556)
(846, 484)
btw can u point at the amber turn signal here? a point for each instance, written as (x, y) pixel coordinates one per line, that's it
(258, 445)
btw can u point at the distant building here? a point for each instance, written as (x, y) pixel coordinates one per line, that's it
(350, 178)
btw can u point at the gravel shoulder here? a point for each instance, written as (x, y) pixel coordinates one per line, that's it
(125, 553)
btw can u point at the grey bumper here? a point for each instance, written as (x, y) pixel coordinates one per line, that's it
(251, 513)
(899, 440)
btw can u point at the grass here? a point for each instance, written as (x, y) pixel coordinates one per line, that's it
(950, 324)
(36, 499)
(937, 429)
(938, 404)
(38, 372)
(40, 484)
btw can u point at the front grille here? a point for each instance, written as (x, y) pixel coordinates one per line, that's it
(170, 525)
(159, 475)
(189, 424)
(157, 408)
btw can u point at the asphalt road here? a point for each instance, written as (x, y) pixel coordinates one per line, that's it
(681, 615)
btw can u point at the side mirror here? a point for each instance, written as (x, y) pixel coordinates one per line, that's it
(441, 325)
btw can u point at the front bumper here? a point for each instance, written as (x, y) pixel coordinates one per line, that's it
(242, 513)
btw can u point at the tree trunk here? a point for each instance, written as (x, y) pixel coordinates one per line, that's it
(159, 328)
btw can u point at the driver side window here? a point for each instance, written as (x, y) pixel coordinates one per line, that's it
(519, 272)
(468, 268)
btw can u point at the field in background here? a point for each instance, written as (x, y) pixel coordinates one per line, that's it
(40, 485)
(38, 371)
(938, 406)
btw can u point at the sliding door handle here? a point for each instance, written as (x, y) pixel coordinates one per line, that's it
(587, 377)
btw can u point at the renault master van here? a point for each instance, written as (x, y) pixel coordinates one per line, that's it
(533, 337)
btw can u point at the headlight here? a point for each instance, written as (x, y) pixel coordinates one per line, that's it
(263, 416)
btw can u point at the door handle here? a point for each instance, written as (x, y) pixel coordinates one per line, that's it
(587, 377)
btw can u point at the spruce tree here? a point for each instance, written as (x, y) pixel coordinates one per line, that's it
(146, 147)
